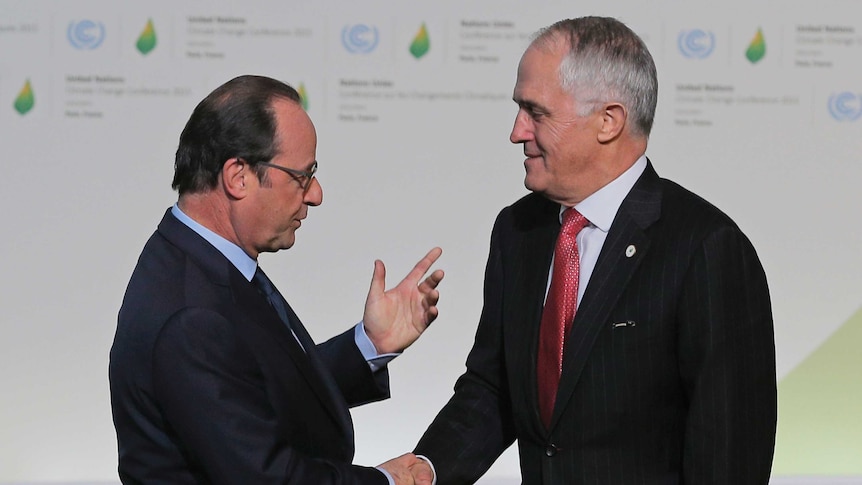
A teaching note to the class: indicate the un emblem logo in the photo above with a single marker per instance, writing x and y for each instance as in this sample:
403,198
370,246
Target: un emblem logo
359,38
85,34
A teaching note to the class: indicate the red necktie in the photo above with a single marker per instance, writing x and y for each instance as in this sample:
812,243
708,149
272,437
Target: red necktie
559,311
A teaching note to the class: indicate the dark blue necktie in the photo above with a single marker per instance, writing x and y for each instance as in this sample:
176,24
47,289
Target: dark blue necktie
276,301
272,296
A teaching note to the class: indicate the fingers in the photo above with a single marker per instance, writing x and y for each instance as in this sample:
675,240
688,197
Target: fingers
431,315
432,281
400,469
430,297
422,473
378,279
424,264
428,289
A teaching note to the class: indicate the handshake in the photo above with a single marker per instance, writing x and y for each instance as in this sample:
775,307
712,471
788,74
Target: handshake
409,469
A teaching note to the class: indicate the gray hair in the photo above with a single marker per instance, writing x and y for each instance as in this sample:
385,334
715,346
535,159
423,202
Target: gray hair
606,62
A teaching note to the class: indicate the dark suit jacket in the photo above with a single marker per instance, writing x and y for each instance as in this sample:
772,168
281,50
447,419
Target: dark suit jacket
209,386
669,369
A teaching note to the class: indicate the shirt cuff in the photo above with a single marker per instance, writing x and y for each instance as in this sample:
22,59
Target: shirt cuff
392,480
433,470
369,352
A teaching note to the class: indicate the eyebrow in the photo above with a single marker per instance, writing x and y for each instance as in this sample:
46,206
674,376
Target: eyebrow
530,105
522,102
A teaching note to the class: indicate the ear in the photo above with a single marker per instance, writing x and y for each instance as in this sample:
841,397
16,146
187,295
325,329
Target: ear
614,117
236,176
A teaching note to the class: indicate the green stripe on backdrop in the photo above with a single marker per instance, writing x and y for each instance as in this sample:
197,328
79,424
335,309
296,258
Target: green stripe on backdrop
820,409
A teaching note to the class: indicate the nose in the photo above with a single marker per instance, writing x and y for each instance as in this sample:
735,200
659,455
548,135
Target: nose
314,194
523,129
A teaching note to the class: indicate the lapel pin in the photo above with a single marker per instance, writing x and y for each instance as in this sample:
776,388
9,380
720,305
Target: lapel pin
627,323
630,251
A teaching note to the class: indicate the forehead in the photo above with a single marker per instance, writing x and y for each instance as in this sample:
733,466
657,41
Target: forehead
539,70
295,133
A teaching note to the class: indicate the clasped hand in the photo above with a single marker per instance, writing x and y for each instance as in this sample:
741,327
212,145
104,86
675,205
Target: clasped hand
408,469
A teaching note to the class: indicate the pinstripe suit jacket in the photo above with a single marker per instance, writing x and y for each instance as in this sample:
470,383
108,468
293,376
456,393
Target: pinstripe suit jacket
669,369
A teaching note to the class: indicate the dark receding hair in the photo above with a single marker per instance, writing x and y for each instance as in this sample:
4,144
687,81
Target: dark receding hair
606,62
235,120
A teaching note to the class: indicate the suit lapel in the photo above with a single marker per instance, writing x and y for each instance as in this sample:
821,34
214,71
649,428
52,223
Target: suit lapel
256,311
614,268
528,282
326,387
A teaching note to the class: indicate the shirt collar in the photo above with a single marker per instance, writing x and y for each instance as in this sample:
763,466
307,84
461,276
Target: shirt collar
601,207
242,261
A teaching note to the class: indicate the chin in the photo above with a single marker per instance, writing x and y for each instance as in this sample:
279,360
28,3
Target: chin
284,242
532,185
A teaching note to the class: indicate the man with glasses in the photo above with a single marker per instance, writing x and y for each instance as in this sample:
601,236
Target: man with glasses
213,377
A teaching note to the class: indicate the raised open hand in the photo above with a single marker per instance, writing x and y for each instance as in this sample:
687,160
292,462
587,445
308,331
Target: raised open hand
394,319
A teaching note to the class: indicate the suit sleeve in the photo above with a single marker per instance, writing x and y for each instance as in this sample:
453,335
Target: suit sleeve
476,425
351,371
727,363
212,395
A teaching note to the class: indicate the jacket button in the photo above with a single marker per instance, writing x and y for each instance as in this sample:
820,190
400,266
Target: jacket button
551,450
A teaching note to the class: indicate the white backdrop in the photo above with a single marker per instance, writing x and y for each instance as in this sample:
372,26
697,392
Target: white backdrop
414,153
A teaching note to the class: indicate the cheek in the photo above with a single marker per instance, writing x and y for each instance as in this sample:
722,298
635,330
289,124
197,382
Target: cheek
552,137
291,206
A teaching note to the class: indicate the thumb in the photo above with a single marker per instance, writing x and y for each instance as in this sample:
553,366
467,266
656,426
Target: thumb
378,280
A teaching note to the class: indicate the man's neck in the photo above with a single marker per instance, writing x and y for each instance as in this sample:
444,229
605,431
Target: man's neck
208,211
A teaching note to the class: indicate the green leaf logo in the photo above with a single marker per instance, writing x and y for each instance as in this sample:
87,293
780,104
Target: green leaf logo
25,100
757,49
303,96
421,43
147,40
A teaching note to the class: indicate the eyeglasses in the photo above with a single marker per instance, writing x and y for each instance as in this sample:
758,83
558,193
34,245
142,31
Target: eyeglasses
308,175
